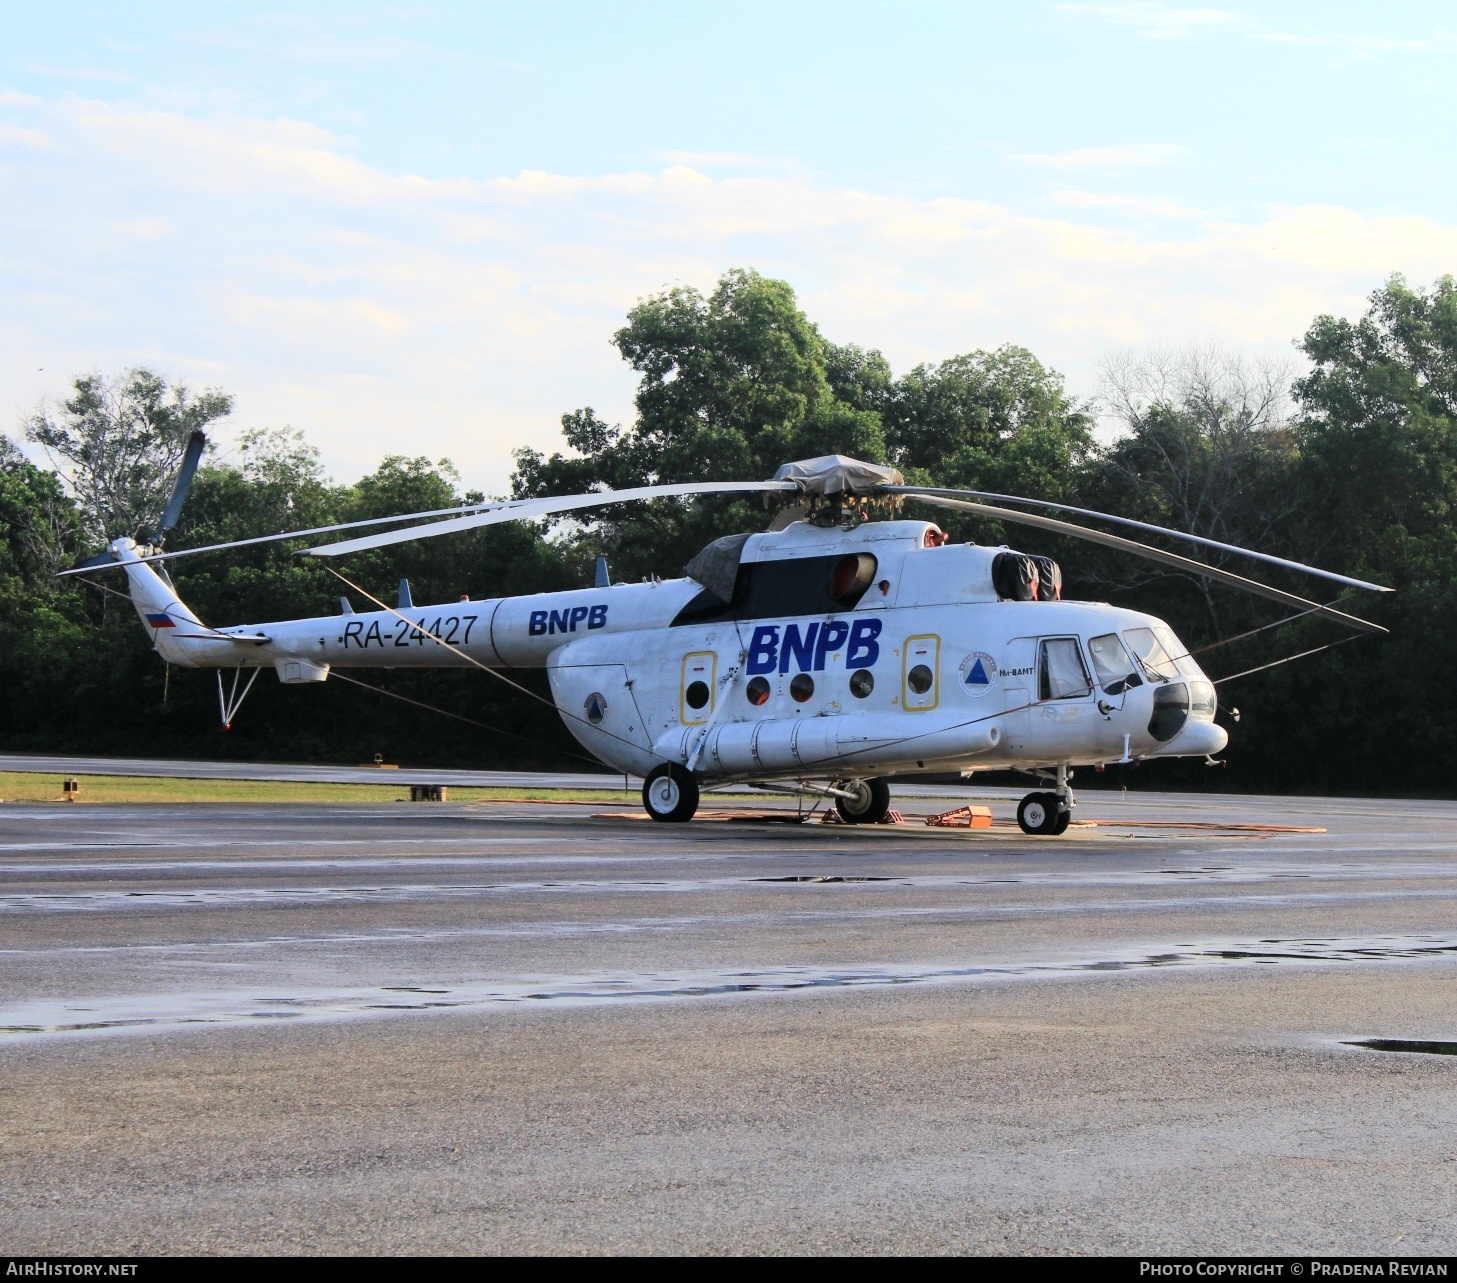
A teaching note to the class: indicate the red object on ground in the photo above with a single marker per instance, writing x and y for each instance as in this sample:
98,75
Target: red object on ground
832,816
964,817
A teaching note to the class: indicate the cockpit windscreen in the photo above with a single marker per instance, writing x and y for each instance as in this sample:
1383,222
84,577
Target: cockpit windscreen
1155,661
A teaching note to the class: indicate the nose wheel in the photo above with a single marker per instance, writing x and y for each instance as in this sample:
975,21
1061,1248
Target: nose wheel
1037,814
670,794
1047,814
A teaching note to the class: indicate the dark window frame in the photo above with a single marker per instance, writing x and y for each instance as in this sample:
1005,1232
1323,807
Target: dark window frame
786,588
1075,645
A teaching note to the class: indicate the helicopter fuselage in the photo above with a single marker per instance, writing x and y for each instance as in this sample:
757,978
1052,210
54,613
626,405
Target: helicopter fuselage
836,652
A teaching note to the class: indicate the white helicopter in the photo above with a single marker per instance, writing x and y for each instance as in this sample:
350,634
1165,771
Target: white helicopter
822,656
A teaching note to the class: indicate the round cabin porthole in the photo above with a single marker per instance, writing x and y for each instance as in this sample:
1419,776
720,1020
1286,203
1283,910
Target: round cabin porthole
757,691
696,695
802,687
920,679
862,682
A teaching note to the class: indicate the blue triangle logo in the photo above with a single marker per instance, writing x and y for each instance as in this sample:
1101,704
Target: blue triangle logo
977,676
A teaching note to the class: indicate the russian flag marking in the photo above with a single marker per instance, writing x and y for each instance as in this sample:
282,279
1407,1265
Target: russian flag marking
161,621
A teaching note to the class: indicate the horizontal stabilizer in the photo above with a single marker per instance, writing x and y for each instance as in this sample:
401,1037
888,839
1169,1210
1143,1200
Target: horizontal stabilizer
250,639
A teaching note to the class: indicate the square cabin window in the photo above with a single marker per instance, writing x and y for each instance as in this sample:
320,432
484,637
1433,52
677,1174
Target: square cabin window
1063,674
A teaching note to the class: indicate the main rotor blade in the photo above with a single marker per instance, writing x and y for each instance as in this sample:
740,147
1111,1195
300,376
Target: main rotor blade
103,561
195,446
485,514
1185,564
527,509
1141,525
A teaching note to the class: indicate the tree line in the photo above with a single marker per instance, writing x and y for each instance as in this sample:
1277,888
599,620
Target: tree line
1352,465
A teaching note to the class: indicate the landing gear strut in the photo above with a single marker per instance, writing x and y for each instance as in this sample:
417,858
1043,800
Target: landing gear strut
670,794
1048,814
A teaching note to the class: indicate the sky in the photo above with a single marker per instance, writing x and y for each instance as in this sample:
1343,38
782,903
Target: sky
413,229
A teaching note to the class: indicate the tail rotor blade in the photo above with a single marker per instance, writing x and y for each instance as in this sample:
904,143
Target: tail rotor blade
94,562
195,446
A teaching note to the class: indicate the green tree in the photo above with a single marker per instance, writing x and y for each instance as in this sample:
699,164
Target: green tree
1379,435
988,421
117,441
1206,447
38,521
1378,459
275,484
67,654
732,385
999,421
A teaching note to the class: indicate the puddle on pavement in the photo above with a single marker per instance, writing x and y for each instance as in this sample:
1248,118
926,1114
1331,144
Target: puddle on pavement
1425,1046
161,1012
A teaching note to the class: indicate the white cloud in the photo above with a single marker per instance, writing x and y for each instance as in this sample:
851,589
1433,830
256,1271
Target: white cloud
728,160
1134,204
145,228
384,312
1168,22
1120,156
19,136
82,73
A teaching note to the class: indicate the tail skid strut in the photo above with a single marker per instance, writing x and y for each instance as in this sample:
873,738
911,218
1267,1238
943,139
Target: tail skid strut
229,705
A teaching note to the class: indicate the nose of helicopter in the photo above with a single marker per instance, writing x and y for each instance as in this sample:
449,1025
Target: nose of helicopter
1197,739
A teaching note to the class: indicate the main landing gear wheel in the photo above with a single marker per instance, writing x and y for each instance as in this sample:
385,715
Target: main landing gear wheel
670,794
1038,815
869,805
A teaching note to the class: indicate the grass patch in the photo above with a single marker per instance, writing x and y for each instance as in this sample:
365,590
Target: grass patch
24,786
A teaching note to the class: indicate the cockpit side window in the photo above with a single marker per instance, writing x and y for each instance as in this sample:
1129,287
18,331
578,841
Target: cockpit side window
1111,662
1152,657
1063,674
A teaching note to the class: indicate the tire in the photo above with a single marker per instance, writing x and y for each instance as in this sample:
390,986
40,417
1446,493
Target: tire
670,794
1037,814
1064,818
871,803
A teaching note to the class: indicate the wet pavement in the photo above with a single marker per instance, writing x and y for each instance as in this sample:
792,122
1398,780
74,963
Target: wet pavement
1188,1025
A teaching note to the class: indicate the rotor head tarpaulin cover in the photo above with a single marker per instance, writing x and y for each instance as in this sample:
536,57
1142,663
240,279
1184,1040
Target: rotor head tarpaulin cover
833,476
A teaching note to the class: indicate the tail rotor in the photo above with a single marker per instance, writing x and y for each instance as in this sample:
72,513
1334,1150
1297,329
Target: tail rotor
196,444
191,457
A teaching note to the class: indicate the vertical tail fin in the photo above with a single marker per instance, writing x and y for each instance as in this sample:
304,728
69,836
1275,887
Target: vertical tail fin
161,610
